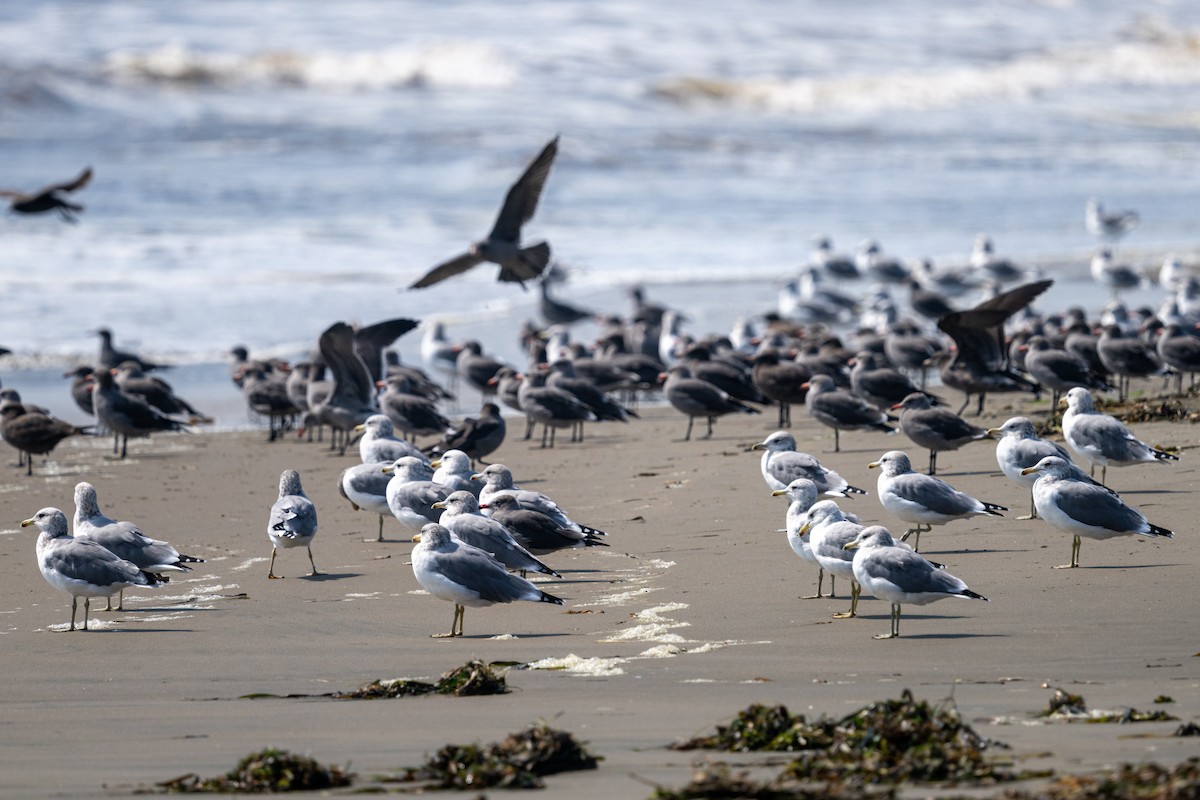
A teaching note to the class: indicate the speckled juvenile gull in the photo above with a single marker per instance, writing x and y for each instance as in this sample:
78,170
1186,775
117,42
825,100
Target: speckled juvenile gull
1098,438
293,520
79,567
781,464
466,576
1084,509
828,533
365,486
124,539
462,517
923,500
899,575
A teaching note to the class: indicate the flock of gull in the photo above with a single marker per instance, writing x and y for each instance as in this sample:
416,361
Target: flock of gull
860,362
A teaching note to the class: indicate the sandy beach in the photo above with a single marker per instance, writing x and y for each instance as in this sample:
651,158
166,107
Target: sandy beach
690,615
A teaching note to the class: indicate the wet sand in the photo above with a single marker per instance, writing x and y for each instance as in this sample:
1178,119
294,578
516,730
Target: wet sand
691,614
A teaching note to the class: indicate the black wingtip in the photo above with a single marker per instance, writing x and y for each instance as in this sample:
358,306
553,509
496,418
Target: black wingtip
974,595
1163,532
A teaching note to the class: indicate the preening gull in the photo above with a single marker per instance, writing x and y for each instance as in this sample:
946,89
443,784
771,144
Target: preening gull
1084,509
293,520
923,500
1098,438
79,567
781,464
466,576
899,575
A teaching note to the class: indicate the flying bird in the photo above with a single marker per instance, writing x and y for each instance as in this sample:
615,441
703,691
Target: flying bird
50,198
503,245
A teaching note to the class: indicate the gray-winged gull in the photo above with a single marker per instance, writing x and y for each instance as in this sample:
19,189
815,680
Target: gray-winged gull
466,576
411,493
537,533
1084,509
1019,447
1098,438
498,479
923,500
79,567
842,410
781,464
828,533
900,576
461,515
124,539
936,429
365,486
802,494
293,520
379,443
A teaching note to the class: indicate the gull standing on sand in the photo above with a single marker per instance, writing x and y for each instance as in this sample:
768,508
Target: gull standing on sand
1059,370
79,567
498,479
127,415
802,495
842,410
461,515
1100,439
379,443
503,245
32,432
937,429
293,520
1020,447
124,539
899,575
365,486
1109,225
699,398
781,464
535,531
923,500
828,533
466,576
412,494
1084,509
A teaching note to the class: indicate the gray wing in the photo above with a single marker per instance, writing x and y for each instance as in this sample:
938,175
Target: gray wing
447,269
295,516
909,571
937,496
1096,506
129,543
90,562
1030,451
522,199
480,572
420,497
837,537
788,466
1109,435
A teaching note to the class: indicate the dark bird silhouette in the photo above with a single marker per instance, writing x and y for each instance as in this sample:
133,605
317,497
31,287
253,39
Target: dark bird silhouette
50,198
371,341
32,432
475,436
127,415
979,363
503,245
111,358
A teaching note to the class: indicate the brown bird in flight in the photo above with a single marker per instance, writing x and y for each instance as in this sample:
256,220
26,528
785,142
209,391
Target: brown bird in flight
50,198
503,245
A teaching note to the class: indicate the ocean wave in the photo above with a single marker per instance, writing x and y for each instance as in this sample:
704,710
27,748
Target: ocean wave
1148,56
446,65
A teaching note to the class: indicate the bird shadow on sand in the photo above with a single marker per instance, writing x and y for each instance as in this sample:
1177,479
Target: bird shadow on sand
324,576
482,637
1122,566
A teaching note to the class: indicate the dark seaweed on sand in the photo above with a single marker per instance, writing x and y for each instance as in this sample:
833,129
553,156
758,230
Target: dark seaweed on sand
716,781
518,762
1068,705
1129,782
472,679
264,772
887,741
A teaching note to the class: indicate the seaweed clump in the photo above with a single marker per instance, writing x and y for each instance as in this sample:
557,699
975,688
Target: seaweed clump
1071,706
264,772
471,679
716,781
520,761
884,742
1129,782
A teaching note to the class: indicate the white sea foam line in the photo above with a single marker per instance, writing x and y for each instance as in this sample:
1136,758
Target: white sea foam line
247,564
655,632
577,665
620,598
362,595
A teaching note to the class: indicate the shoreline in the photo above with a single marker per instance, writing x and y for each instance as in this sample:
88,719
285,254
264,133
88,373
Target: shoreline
697,591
